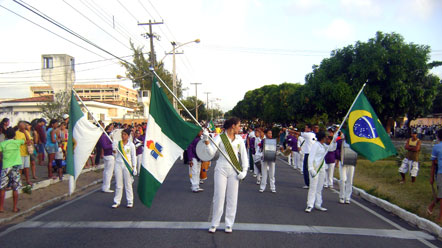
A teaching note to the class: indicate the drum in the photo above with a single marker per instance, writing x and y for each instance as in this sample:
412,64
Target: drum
269,150
201,152
348,156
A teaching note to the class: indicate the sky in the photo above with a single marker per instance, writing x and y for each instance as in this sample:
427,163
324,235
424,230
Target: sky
245,44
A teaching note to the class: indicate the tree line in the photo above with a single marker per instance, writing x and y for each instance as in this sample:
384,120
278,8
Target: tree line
398,77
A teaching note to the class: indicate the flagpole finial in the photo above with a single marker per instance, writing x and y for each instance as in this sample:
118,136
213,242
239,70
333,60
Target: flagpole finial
151,68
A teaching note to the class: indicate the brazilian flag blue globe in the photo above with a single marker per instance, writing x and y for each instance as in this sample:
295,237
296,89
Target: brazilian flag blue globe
365,132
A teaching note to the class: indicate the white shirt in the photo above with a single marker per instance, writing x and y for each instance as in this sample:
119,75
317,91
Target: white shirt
130,150
258,153
300,140
238,148
317,155
310,138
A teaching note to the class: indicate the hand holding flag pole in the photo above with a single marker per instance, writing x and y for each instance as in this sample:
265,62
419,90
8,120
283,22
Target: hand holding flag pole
342,123
195,120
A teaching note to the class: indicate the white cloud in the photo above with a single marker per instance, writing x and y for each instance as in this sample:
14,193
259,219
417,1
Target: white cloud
362,8
338,30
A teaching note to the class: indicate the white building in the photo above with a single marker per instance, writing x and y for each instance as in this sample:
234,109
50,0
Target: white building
58,71
28,109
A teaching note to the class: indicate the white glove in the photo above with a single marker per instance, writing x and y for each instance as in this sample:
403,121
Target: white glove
135,171
242,175
205,136
312,172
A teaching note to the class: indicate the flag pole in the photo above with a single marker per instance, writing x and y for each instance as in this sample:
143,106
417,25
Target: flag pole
342,123
195,120
104,131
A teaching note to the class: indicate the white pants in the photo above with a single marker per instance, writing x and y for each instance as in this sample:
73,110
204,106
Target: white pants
271,175
314,197
122,175
296,160
301,161
194,174
139,161
409,165
329,174
346,173
226,185
290,159
108,171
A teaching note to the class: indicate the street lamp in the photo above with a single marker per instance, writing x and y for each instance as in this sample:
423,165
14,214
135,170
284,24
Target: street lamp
175,46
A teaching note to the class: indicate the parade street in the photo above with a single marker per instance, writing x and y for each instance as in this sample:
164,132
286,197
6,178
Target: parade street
179,218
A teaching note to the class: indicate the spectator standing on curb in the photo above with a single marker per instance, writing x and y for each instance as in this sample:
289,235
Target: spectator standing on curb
436,176
23,134
411,160
51,144
10,174
40,128
33,155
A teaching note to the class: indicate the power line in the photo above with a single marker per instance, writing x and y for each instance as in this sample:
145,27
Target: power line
113,37
49,19
51,31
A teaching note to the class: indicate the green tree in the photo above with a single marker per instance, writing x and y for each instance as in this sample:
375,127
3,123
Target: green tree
58,107
189,103
141,76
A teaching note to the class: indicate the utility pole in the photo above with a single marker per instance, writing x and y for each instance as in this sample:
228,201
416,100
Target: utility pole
151,35
207,101
174,52
196,99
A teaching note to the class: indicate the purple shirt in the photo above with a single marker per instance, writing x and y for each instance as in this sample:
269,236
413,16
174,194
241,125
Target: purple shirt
252,145
338,149
292,142
105,143
191,150
139,144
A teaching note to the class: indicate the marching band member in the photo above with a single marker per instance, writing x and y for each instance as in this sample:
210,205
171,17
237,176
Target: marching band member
226,178
108,158
194,165
330,161
124,169
301,142
139,145
267,168
309,140
315,159
257,157
292,143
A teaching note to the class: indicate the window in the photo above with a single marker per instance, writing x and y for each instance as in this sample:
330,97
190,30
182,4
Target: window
73,64
48,63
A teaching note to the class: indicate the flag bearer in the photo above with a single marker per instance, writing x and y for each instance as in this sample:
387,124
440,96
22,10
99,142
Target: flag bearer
315,159
194,165
226,178
125,169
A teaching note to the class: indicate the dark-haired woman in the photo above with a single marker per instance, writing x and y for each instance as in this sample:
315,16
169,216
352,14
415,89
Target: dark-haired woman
315,159
51,144
226,179
123,176
4,124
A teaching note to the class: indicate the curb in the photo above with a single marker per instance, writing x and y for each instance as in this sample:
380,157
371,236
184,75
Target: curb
48,182
48,202
409,217
414,219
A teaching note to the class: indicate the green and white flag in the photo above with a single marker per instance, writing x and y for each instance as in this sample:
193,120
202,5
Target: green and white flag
83,136
212,126
167,136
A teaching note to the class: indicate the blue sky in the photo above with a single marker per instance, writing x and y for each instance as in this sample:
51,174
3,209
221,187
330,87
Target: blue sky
245,44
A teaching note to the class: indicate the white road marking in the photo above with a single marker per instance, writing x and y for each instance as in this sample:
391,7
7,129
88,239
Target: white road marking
381,233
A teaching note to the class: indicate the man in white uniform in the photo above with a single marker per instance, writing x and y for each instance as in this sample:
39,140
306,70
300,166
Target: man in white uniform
315,159
309,140
271,168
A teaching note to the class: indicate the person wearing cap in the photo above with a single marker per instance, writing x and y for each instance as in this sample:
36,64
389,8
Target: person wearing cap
410,162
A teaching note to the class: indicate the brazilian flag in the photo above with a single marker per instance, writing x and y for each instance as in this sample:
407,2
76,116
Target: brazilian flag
365,133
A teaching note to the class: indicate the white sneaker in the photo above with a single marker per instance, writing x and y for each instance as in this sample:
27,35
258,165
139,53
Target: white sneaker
321,208
228,229
107,191
341,200
305,187
325,186
347,201
261,190
254,175
115,205
201,182
198,190
258,182
308,209
212,229
273,190
130,205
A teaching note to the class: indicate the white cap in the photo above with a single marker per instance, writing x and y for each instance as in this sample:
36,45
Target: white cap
65,116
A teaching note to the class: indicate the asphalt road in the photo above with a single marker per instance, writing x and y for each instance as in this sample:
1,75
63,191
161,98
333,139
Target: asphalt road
179,218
